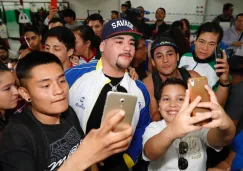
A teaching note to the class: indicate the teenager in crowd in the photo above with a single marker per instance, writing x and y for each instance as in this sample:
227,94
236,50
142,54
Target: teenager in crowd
33,39
95,21
203,60
8,96
48,136
69,16
56,22
60,41
176,143
86,44
186,30
165,57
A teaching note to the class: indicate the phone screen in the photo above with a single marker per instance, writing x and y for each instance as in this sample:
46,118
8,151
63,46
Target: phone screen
218,53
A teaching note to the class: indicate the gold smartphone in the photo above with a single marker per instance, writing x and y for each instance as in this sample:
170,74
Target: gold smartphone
196,87
120,101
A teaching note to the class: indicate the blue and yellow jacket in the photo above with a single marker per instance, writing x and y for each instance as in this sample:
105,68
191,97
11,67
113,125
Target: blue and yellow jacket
86,82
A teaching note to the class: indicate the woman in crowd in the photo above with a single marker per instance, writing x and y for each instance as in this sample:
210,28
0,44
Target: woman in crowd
86,44
186,30
8,96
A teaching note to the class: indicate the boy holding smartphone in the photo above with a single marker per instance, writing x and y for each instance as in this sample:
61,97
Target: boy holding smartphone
48,136
176,143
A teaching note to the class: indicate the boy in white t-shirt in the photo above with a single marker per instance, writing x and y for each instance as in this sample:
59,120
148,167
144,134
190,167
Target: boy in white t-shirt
175,143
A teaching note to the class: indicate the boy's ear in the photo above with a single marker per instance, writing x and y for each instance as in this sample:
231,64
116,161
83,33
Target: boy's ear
178,57
70,52
24,94
152,61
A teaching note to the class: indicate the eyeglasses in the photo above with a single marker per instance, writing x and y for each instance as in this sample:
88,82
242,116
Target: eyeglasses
182,162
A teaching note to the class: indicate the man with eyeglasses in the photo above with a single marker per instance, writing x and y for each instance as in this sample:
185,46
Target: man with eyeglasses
203,61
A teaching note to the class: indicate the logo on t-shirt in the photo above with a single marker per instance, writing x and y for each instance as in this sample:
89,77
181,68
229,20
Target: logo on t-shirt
63,148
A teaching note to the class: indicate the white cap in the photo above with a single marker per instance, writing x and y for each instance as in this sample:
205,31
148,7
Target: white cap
1,20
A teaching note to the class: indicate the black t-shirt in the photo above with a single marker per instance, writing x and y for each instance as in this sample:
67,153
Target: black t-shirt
63,140
17,147
115,162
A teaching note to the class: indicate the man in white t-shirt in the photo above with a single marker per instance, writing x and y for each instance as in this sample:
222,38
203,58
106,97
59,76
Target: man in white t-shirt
176,143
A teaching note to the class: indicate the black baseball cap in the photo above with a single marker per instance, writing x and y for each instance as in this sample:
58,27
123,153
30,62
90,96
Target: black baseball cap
163,41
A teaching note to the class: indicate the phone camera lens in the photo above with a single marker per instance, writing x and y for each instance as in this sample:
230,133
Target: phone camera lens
122,101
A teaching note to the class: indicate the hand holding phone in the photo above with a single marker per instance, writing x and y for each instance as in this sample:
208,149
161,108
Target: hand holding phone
196,87
120,101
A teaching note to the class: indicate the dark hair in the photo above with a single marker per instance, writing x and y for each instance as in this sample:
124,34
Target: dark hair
239,15
137,42
115,12
227,6
31,28
3,67
129,4
63,34
32,60
187,33
160,8
211,27
177,24
12,60
94,17
4,48
172,81
56,20
69,13
124,5
87,33
23,46
140,7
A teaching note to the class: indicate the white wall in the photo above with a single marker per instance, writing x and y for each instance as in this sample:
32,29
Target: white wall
215,7
178,9
106,6
175,9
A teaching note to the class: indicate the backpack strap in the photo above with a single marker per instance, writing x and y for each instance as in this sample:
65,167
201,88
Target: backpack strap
157,81
184,74
39,140
241,35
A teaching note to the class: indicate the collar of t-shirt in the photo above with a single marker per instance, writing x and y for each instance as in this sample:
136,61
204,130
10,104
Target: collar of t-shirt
89,59
207,60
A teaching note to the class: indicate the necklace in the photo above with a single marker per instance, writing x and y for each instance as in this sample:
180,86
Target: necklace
114,88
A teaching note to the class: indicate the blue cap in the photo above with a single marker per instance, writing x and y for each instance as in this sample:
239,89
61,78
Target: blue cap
119,26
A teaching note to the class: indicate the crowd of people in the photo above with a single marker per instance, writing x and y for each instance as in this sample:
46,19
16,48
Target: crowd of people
52,97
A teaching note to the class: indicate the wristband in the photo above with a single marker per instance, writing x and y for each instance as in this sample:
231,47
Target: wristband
225,85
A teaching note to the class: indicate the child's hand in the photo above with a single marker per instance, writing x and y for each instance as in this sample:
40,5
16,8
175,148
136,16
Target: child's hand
133,73
218,115
183,123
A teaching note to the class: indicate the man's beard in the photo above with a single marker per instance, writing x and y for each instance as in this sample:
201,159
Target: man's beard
121,66
3,57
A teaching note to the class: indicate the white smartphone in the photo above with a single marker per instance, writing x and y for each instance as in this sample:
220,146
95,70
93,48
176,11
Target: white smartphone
120,101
